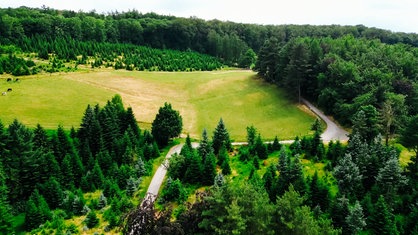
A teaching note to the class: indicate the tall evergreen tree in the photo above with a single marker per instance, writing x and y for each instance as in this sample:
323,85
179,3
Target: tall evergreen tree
220,137
209,169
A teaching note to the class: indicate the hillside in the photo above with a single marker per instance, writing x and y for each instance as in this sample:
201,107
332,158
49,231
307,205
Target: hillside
202,98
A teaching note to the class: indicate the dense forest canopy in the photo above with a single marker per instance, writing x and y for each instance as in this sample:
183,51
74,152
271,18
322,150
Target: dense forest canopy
226,40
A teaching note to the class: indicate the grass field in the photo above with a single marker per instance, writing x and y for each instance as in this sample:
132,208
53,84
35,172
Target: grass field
202,98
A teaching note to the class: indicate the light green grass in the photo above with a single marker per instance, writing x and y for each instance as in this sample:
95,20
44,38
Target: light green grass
202,98
48,100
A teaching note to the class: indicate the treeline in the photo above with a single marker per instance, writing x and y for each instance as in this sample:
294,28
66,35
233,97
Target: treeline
226,40
361,190
44,174
345,74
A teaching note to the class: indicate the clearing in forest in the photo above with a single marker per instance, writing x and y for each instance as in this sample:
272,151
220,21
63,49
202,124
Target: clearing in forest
202,98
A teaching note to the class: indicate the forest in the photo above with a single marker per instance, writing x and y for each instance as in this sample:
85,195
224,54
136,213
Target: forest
366,78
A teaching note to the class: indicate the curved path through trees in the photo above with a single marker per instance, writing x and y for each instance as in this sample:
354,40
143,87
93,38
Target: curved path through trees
332,132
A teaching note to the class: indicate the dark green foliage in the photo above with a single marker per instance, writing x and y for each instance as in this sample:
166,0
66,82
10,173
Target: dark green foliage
382,220
205,148
6,226
91,220
174,191
226,168
193,173
220,137
37,211
409,135
53,193
166,125
209,169
260,148
318,193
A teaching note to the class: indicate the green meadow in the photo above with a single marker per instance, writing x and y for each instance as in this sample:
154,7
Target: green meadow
202,98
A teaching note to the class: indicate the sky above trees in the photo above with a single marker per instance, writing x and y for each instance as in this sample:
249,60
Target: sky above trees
398,16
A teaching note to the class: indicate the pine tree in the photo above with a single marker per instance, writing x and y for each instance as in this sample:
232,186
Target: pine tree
222,155
54,195
355,219
260,148
102,201
67,173
92,220
205,147
40,138
194,169
348,176
220,137
226,168
381,221
209,169
131,186
6,222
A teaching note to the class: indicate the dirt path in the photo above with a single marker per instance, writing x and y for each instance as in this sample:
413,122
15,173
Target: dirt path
333,131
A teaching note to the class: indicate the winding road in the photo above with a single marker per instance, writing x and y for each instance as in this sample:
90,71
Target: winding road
333,132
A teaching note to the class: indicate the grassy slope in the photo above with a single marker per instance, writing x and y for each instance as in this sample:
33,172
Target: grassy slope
48,100
201,97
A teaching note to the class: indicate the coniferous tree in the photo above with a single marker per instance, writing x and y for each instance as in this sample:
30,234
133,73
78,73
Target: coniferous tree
40,138
53,193
226,168
6,223
205,147
260,148
91,220
67,173
355,219
209,169
194,169
220,137
381,221
348,176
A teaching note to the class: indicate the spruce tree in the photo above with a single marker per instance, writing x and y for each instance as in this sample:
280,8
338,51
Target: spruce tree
209,169
220,137
205,147
91,220
381,221
194,170
355,219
